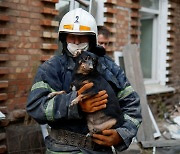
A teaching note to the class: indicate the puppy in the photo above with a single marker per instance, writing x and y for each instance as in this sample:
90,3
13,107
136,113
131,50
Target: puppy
86,71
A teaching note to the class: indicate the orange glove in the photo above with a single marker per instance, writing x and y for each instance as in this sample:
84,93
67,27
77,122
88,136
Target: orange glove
108,138
84,88
94,103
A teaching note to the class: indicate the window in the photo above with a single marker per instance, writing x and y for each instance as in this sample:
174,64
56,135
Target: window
118,58
151,4
149,38
153,46
66,5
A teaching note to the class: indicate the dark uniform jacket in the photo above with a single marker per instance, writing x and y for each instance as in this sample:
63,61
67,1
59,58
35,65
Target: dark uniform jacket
56,75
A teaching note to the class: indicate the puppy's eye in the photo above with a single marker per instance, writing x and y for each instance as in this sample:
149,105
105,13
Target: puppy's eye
87,57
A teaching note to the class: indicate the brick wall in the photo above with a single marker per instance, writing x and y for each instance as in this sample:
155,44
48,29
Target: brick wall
122,19
127,26
27,38
174,17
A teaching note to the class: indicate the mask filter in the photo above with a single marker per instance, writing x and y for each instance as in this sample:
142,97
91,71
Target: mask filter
76,49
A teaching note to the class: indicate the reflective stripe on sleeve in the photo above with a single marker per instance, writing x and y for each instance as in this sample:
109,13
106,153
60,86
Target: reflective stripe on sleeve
135,121
41,84
52,152
49,110
122,94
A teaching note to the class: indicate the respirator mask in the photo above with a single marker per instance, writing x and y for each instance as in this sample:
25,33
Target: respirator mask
76,49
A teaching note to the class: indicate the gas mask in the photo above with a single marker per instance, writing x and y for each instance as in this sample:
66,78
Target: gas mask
76,49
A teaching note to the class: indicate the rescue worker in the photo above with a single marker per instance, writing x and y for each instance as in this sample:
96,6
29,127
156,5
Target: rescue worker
78,33
103,36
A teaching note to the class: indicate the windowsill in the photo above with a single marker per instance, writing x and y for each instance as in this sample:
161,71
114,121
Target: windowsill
157,89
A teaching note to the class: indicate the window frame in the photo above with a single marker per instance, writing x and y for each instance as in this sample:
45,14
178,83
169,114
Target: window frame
159,41
158,83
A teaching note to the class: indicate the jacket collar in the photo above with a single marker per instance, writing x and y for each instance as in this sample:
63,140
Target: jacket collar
70,63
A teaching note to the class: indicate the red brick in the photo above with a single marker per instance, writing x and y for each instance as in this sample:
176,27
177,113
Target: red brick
49,46
4,57
36,45
35,27
32,52
24,14
23,7
50,35
35,15
3,96
23,20
34,39
135,23
14,13
47,22
4,44
20,100
135,14
110,20
23,1
15,1
45,57
22,75
24,88
4,31
3,84
4,70
4,18
12,76
35,34
111,10
11,87
46,10
22,57
35,3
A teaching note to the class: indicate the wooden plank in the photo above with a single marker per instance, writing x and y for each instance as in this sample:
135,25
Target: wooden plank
134,75
160,143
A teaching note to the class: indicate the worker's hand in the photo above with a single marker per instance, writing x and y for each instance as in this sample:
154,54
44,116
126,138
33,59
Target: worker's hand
84,88
94,103
107,138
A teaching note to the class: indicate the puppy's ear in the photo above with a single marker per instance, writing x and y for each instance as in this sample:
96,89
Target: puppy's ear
98,50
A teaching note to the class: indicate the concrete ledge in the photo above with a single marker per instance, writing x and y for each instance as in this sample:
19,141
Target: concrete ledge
157,89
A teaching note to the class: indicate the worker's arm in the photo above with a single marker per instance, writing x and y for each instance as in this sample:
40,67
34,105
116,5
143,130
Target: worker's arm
129,102
50,78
